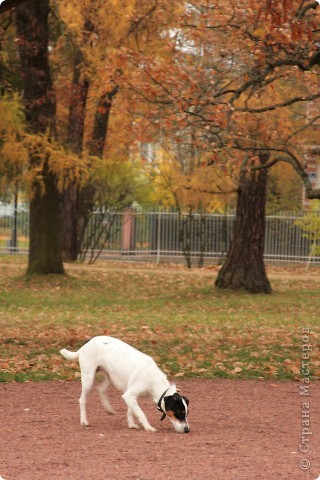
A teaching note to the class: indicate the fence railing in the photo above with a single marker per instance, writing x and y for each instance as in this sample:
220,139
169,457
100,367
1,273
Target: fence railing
167,236
14,230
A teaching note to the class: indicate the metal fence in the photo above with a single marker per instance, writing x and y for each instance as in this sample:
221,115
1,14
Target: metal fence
167,236
14,229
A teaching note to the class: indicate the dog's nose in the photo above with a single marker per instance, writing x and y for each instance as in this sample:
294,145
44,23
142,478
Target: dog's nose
186,429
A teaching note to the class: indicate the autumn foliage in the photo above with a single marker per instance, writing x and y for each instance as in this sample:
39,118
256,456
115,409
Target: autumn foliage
213,81
212,86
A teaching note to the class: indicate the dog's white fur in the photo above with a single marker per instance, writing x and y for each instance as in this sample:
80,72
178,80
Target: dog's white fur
129,370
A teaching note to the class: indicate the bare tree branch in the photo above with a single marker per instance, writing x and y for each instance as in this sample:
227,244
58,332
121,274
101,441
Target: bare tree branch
9,4
303,9
278,105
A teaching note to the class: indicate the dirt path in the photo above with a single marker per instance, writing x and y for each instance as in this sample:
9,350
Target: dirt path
248,430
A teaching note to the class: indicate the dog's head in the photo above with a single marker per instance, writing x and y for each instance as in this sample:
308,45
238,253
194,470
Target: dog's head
176,408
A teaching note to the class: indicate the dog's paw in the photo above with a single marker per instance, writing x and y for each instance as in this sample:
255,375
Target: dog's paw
150,429
133,425
85,423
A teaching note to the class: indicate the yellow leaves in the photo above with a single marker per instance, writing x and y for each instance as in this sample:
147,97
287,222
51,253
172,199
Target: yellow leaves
310,225
71,15
12,116
191,183
45,152
23,156
284,187
14,155
67,166
99,27
260,31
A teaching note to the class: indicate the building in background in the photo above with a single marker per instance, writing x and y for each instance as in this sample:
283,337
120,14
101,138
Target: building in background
312,151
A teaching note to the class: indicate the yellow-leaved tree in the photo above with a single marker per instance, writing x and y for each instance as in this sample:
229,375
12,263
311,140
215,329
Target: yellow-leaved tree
98,49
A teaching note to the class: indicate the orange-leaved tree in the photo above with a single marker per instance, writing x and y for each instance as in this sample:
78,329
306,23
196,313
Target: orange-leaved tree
240,75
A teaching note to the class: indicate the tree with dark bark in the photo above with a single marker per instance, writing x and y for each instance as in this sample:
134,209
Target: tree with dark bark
244,265
262,84
75,140
86,197
7,5
103,40
78,201
199,82
40,109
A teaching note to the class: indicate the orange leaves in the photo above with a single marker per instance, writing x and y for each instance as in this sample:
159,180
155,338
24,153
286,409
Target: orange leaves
297,30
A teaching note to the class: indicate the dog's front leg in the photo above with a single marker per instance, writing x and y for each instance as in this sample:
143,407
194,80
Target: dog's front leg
131,422
133,408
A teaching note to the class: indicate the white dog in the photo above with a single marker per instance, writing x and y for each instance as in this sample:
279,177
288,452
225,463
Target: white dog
134,374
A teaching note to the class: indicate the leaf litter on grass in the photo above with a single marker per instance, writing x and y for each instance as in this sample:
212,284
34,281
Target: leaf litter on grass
187,326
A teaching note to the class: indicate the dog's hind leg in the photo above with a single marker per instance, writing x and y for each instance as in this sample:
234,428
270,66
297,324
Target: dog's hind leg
87,379
102,390
130,398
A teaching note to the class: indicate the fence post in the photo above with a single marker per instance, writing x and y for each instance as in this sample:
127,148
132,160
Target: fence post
14,231
159,238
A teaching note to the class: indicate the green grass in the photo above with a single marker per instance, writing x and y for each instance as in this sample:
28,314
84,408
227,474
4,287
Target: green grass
177,316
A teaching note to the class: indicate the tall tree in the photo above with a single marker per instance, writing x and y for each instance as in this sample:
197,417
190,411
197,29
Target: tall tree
103,39
271,58
261,85
40,108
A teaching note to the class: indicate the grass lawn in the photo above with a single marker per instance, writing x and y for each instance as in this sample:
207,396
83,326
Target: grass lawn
189,327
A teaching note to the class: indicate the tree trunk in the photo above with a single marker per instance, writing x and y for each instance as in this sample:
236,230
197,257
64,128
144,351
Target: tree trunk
244,266
45,239
70,201
40,107
96,147
69,213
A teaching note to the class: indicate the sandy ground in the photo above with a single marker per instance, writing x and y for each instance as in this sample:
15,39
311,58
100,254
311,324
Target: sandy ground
239,430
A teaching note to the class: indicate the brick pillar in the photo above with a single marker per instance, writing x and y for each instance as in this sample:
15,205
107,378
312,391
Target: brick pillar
127,237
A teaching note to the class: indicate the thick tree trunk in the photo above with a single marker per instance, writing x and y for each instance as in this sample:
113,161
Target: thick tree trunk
40,107
45,239
244,266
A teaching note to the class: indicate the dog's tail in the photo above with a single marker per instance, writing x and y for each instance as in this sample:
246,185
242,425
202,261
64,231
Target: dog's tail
69,355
